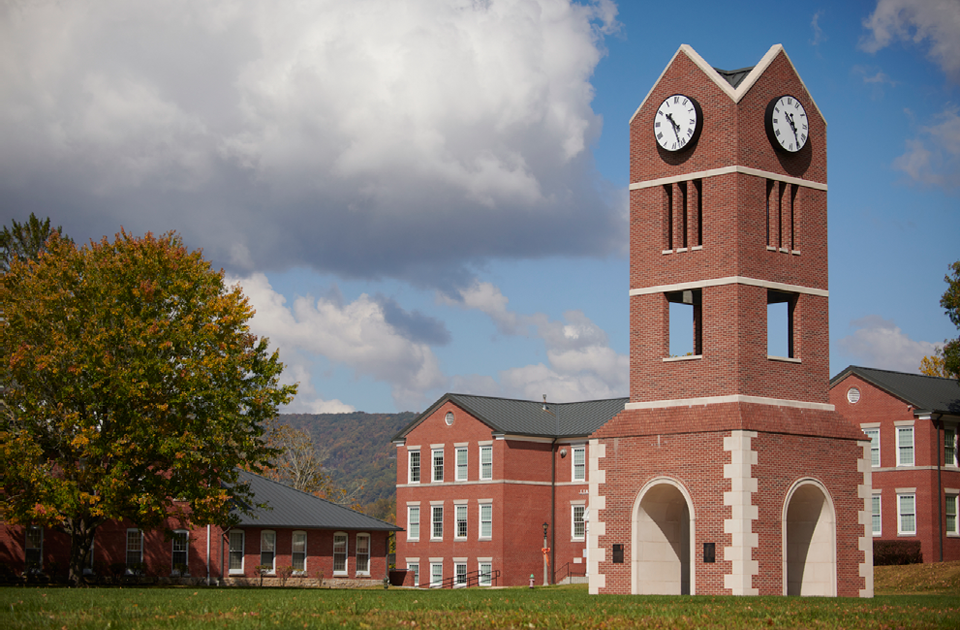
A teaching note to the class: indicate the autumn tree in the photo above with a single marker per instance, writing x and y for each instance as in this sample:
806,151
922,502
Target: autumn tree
932,365
26,240
131,379
945,361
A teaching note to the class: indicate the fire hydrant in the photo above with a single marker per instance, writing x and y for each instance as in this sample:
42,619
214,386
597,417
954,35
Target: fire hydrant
531,580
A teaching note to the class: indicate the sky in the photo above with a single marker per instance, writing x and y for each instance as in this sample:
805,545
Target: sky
430,196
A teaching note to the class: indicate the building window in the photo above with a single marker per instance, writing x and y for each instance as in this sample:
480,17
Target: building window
268,550
415,567
88,567
340,553
462,463
907,513
448,418
486,462
461,529
363,554
33,549
950,447
953,527
413,522
577,528
413,457
181,544
436,522
875,514
460,574
484,577
437,465
579,463
780,324
686,322
486,521
298,552
874,435
134,551
236,552
904,446
436,574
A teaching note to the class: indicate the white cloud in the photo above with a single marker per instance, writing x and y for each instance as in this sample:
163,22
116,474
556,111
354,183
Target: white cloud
934,157
879,343
364,138
818,35
936,22
357,335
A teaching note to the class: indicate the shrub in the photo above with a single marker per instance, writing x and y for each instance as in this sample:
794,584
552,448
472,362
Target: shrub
890,552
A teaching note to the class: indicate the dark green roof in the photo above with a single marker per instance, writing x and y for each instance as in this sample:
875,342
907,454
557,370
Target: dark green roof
295,509
526,417
734,77
926,393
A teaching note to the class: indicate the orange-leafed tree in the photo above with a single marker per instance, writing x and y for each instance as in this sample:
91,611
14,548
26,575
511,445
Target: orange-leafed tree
132,388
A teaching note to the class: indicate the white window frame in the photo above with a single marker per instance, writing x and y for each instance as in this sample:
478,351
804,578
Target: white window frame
341,539
178,536
578,472
459,574
573,523
413,522
486,519
460,522
139,551
876,514
415,567
484,571
486,462
436,522
436,465
902,514
414,472
436,574
232,551
950,435
36,533
363,554
874,434
952,497
302,536
88,567
268,544
903,448
462,461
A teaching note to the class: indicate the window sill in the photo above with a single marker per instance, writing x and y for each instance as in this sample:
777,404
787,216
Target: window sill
691,357
906,534
953,535
770,357
413,539
362,574
485,538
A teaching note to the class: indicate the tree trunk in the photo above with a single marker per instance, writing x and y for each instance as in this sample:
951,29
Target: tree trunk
81,532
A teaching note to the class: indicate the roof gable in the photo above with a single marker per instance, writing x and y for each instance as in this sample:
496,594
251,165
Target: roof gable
925,393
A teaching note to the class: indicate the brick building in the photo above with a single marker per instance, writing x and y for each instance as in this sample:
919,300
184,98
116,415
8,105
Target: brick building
912,421
296,529
477,479
729,471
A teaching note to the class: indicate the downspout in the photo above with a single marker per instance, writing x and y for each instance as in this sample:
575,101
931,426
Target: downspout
208,555
223,534
553,509
938,425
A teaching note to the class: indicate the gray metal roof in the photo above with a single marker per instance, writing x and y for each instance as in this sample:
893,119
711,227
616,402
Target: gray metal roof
926,393
734,77
527,417
295,509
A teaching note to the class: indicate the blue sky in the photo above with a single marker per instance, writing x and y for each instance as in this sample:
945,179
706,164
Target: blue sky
430,196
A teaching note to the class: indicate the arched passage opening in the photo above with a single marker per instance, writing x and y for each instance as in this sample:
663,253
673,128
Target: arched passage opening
810,534
663,533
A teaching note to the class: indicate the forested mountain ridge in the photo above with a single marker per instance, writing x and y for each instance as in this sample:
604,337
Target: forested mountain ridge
357,447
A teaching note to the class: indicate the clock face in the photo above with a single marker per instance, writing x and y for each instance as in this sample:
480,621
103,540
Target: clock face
677,123
786,124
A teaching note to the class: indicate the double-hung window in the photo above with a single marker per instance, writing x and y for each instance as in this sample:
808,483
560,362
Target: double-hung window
874,434
134,550
415,567
33,548
950,447
436,522
579,463
413,522
875,515
577,529
904,446
268,550
180,547
459,574
461,463
413,458
236,552
436,574
483,579
340,553
437,457
461,518
486,521
953,526
907,514
486,462
298,552
363,554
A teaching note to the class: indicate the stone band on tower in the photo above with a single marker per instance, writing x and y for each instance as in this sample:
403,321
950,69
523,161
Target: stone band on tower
729,472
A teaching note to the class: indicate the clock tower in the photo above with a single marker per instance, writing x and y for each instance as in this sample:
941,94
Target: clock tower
729,472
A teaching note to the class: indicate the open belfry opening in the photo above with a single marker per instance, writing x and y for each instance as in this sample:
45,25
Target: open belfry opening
729,472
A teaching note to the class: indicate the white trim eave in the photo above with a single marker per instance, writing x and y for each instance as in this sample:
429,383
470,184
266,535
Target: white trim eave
718,282
733,398
726,170
745,85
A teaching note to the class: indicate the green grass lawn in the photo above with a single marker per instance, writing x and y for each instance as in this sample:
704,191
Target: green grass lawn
551,607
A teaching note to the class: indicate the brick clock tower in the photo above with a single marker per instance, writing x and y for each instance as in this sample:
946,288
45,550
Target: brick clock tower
729,472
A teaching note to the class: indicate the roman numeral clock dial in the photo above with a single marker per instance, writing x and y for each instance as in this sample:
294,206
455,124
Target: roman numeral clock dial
677,123
786,124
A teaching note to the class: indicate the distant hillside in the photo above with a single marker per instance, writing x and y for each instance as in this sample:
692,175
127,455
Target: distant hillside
359,445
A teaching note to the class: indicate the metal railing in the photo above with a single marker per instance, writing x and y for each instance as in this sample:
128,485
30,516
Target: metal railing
470,579
570,569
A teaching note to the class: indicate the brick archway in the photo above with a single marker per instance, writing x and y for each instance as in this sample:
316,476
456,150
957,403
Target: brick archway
663,540
809,541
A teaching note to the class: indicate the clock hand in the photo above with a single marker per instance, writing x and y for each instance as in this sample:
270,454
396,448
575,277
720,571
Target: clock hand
793,127
676,127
